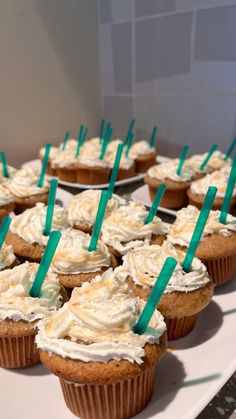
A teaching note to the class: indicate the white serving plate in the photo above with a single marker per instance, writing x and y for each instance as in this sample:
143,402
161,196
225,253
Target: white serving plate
63,197
187,377
36,164
142,195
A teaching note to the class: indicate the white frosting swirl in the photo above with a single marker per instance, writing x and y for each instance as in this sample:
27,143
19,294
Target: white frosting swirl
25,183
15,301
101,314
6,196
11,170
54,151
64,158
218,178
144,265
181,230
125,162
125,228
71,144
82,209
112,146
30,224
72,255
168,170
7,257
216,162
140,148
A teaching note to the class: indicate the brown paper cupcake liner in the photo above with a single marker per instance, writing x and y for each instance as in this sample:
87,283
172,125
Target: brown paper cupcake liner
221,270
178,328
18,352
175,198
119,400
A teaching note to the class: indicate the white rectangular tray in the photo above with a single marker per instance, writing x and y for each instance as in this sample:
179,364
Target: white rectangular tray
142,195
186,380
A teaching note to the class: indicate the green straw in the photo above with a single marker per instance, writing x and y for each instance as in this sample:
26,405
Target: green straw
67,136
115,169
85,133
4,229
44,165
4,165
228,194
128,144
130,129
50,207
156,202
102,126
182,160
200,225
107,138
45,263
155,296
207,158
98,222
79,140
153,137
230,150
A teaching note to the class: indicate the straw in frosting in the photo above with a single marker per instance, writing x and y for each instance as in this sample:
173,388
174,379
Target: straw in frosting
102,126
79,140
153,137
231,149
207,158
228,194
4,229
44,165
67,136
182,160
156,202
4,165
130,129
50,207
115,169
129,143
107,137
99,219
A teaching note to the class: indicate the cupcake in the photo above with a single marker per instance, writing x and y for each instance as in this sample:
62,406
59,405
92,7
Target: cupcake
126,166
6,202
125,229
216,162
217,248
7,257
24,187
218,178
54,151
143,155
83,208
64,165
176,186
105,369
20,313
92,170
26,231
186,293
74,264
11,170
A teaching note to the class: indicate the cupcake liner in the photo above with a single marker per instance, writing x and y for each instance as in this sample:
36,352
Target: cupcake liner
221,270
178,328
18,352
119,400
173,198
66,174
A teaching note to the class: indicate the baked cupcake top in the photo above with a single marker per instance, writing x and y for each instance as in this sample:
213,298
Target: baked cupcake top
25,183
125,162
82,209
168,170
181,230
15,301
125,228
144,265
29,225
96,324
72,255
140,148
7,257
6,196
218,178
216,162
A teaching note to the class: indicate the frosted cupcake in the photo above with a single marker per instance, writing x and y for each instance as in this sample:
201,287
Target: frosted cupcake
11,170
26,231
64,165
217,248
7,204
176,185
218,178
143,155
83,208
125,229
54,151
20,313
126,166
215,162
92,170
74,264
7,257
186,293
24,187
105,369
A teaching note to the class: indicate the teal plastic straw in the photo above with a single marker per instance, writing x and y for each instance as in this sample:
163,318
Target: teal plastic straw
101,133
153,137
182,159
45,264
99,219
155,296
200,225
44,165
67,136
4,165
115,169
130,129
79,140
50,207
231,149
156,202
207,158
85,134
106,140
128,144
228,194
4,229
